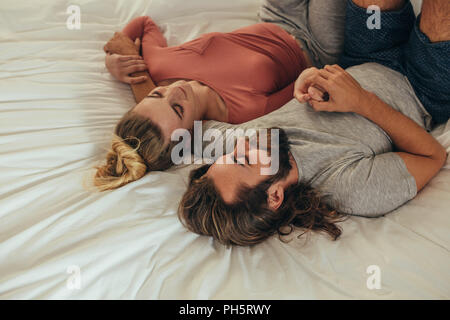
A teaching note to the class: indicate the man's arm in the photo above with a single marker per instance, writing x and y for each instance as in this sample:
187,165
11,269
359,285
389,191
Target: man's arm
422,154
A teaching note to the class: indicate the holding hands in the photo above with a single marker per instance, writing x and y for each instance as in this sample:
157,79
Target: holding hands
123,60
330,89
121,66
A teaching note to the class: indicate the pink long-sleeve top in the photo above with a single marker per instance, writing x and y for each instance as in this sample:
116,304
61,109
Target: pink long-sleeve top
253,69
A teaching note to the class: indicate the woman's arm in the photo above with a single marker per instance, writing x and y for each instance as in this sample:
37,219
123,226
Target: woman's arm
125,64
422,154
124,51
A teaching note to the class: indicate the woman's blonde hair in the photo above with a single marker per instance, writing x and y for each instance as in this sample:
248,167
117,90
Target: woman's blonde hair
137,147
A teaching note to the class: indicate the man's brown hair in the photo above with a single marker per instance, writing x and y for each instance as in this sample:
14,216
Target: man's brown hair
248,220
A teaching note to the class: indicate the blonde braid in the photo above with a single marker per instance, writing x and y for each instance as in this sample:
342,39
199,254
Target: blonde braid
123,165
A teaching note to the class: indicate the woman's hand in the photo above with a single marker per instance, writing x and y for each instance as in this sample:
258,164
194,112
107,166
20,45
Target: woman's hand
305,90
121,66
344,92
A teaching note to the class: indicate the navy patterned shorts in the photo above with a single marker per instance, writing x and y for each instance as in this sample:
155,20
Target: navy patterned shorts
400,45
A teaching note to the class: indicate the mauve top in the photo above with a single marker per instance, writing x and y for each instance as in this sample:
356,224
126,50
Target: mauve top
253,69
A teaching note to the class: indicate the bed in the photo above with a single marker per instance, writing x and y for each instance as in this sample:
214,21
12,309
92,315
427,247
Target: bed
58,107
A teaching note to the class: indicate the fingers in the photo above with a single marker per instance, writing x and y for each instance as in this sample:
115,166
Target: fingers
337,67
135,80
330,69
315,93
319,79
131,57
302,97
316,78
135,68
132,62
309,87
315,84
321,105
333,68
326,74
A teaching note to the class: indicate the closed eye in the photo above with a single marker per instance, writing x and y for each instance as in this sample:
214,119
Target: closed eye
155,94
243,161
178,109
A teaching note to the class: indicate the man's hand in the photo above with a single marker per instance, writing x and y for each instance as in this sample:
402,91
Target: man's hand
345,93
305,90
121,66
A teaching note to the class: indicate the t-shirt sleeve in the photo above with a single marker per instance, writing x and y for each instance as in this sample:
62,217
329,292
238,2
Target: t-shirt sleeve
373,186
145,29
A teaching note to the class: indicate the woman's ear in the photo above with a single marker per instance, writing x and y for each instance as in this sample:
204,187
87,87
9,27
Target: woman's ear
275,196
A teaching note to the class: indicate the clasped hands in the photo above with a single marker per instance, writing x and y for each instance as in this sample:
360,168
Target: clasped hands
124,62
332,83
121,66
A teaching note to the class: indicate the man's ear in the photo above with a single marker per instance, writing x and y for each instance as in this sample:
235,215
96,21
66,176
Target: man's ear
275,196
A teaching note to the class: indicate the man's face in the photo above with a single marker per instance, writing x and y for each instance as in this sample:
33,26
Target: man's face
235,169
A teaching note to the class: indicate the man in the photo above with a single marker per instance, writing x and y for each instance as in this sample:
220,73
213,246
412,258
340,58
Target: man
363,150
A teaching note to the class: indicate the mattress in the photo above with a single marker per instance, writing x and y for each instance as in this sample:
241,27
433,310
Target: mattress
58,108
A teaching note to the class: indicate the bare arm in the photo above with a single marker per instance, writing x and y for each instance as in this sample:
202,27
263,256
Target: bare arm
435,20
125,64
423,155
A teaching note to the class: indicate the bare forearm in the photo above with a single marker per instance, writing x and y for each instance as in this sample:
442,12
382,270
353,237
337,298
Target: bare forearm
125,64
435,20
406,135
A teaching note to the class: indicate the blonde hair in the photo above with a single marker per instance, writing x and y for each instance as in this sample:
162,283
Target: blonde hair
137,147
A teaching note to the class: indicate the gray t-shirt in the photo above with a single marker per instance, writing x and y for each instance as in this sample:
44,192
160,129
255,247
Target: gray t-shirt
347,157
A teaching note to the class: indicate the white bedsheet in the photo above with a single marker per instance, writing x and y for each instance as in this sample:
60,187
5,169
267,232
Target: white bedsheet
58,107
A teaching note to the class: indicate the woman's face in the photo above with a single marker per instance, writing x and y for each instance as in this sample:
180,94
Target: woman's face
171,107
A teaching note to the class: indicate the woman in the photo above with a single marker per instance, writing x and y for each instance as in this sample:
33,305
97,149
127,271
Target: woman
230,77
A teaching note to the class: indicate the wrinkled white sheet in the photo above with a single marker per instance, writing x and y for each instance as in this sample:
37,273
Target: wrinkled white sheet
58,107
